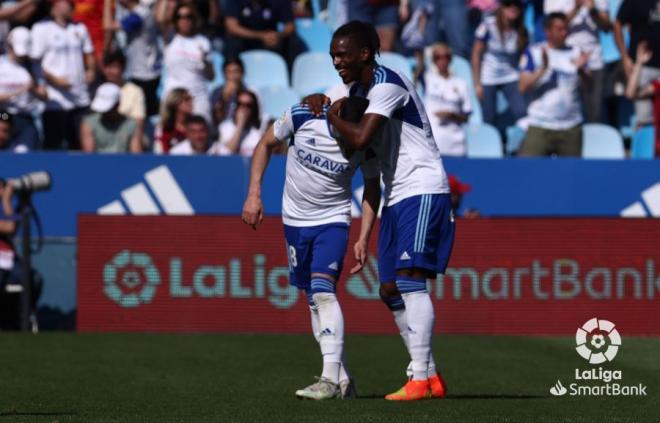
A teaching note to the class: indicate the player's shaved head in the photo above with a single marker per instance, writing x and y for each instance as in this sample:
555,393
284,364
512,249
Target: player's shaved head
362,34
353,109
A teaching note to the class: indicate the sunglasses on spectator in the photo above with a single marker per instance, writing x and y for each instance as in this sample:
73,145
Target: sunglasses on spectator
186,16
245,103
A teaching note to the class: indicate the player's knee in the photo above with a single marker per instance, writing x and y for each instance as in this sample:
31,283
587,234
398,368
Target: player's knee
321,285
324,298
389,294
310,298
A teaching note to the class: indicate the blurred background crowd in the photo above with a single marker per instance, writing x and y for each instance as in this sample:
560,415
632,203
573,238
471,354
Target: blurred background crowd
184,77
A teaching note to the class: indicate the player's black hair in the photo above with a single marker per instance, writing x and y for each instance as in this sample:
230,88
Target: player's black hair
114,56
196,119
353,108
549,18
362,33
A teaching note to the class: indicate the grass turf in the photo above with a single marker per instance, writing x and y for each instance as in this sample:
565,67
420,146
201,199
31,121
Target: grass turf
66,377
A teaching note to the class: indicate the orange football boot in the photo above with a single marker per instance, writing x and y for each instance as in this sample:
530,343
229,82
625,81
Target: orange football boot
412,391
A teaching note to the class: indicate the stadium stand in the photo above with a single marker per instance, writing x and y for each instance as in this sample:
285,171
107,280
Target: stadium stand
643,143
264,68
312,73
275,99
483,142
601,142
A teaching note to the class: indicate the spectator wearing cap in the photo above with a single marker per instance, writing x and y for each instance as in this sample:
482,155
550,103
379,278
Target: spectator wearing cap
187,57
197,140
253,24
63,59
500,40
17,89
447,101
144,58
132,101
8,142
642,19
550,72
106,130
586,18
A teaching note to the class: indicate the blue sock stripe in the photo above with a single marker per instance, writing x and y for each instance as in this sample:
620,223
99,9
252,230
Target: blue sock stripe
411,285
395,303
322,285
310,300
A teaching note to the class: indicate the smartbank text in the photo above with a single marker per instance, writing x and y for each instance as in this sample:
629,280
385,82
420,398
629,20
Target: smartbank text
558,279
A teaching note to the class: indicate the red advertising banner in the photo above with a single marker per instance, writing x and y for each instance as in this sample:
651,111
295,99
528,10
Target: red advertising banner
506,276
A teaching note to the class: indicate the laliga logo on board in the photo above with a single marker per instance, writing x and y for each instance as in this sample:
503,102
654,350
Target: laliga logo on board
597,341
124,274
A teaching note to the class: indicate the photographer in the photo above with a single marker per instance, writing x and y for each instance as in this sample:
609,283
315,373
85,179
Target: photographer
11,269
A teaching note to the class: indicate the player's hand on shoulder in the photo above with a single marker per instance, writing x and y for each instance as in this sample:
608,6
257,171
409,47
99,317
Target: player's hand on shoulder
316,102
253,211
336,106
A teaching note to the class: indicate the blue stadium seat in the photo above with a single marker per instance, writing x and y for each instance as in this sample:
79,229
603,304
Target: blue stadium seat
217,61
515,136
263,68
483,142
643,143
397,62
275,99
313,73
601,142
315,34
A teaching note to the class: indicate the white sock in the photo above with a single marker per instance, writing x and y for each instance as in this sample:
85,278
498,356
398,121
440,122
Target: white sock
420,316
344,374
402,323
331,333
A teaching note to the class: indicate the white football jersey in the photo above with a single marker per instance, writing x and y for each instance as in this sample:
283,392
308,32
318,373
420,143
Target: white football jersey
407,154
317,190
499,65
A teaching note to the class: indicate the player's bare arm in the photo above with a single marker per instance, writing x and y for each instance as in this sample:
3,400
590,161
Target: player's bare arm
358,135
370,205
253,209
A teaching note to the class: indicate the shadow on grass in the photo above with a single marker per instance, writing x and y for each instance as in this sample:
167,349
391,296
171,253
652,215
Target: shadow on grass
473,396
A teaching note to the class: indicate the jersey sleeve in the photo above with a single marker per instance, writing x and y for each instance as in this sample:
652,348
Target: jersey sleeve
481,33
87,46
527,61
385,99
283,127
38,43
370,165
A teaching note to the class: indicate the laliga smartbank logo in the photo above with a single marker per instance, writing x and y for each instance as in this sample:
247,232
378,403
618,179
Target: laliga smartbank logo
598,341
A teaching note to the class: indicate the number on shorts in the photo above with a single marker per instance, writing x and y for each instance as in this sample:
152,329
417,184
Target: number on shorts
293,261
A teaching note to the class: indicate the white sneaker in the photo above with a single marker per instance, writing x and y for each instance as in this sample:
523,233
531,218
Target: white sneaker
321,390
347,388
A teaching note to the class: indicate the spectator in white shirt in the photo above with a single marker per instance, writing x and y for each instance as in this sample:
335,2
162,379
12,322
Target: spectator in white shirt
549,73
63,57
143,54
587,18
241,134
18,94
447,103
187,59
197,140
500,40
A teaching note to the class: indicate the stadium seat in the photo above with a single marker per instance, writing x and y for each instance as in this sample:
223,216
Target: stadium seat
313,73
397,62
315,34
218,77
643,143
601,142
515,136
275,99
264,68
483,142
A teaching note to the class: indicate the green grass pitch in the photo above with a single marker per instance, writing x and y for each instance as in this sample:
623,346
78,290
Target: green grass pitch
67,377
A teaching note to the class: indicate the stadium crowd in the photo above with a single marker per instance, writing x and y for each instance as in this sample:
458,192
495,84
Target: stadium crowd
142,75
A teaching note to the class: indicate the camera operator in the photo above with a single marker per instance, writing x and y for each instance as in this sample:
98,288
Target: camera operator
11,269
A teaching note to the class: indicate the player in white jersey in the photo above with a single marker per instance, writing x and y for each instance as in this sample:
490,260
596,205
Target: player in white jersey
316,210
417,229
